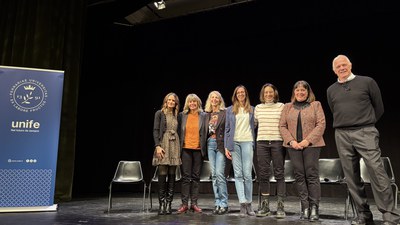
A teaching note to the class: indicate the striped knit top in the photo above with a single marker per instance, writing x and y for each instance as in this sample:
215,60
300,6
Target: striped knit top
267,116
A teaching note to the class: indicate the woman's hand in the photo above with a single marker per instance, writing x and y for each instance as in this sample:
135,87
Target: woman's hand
304,143
296,145
228,154
160,152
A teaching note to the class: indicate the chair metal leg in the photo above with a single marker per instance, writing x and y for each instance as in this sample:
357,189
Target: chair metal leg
396,194
110,198
352,205
150,197
144,196
259,196
346,207
349,203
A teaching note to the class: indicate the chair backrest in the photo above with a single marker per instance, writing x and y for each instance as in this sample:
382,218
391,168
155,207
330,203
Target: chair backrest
128,171
205,175
364,172
231,175
330,170
365,177
388,168
178,174
289,172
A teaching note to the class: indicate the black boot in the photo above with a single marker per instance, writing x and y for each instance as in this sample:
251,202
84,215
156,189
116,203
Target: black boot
305,214
170,193
280,211
168,209
314,216
162,193
264,208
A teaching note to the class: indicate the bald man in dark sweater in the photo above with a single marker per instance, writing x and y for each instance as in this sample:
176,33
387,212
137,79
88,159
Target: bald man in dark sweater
356,104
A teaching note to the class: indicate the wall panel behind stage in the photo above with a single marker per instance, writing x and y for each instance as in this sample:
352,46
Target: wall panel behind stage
218,50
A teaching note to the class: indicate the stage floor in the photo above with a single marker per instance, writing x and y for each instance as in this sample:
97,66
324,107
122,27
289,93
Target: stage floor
127,209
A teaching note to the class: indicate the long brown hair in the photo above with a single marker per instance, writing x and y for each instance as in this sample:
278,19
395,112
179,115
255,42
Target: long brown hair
164,106
236,103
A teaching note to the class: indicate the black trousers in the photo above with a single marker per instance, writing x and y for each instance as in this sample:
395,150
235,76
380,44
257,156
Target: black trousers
192,161
267,152
306,173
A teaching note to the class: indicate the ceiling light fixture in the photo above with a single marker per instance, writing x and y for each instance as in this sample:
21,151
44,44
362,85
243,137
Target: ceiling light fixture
160,4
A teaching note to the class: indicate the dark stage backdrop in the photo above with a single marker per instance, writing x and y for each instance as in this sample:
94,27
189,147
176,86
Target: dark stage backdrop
116,76
48,34
127,71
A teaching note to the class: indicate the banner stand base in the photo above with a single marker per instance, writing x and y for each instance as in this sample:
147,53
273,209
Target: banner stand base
29,209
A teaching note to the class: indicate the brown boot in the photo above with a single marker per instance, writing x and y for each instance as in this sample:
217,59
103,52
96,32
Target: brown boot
183,209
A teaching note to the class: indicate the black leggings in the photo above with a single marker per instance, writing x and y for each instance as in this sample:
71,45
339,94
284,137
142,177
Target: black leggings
166,169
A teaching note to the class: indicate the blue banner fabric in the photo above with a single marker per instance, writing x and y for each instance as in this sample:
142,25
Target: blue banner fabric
30,114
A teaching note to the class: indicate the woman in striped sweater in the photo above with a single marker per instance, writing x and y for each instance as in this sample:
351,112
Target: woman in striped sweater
269,149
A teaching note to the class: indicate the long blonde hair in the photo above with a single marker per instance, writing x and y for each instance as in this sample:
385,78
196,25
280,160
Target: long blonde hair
192,97
208,107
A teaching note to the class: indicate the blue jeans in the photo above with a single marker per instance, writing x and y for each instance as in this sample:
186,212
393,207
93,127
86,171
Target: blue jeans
242,161
217,166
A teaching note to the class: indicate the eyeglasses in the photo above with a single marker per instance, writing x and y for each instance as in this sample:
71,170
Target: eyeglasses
345,86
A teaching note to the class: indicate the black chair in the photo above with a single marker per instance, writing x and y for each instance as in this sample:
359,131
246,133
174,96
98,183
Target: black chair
205,175
127,172
231,176
389,170
154,179
331,173
367,180
289,172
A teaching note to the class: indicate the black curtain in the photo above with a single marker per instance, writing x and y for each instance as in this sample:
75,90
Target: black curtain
48,34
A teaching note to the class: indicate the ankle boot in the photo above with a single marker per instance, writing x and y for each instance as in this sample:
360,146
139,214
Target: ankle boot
249,210
183,209
170,194
168,209
264,208
305,214
162,193
280,212
161,209
243,211
314,216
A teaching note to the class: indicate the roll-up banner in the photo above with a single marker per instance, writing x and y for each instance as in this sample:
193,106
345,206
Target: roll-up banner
30,114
